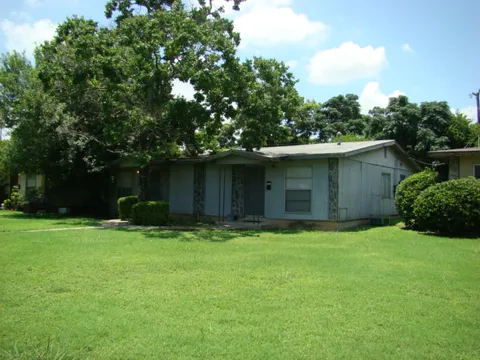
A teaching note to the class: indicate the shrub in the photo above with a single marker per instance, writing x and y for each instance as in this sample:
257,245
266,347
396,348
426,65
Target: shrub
125,205
7,204
408,191
451,208
151,213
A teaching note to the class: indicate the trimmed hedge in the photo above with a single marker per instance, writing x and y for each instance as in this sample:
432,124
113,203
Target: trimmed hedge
408,191
450,208
125,205
151,213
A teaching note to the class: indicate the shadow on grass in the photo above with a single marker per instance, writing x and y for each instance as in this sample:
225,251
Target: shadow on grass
62,219
210,235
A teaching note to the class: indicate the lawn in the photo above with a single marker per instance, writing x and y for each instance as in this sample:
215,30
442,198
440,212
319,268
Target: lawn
15,221
116,294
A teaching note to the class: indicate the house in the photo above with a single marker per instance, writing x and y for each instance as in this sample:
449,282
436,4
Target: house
31,182
328,185
462,163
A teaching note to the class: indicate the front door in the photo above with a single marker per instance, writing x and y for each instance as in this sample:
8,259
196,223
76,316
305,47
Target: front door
254,191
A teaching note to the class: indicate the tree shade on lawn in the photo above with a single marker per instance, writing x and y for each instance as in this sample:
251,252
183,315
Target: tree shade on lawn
109,294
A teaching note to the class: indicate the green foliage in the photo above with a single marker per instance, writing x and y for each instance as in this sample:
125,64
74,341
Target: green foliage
7,204
267,102
125,205
155,213
5,163
408,191
16,200
450,208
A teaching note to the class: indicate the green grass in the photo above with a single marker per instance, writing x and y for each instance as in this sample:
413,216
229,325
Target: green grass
18,221
382,293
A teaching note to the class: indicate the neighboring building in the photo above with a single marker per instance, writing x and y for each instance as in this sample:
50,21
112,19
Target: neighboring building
322,185
462,163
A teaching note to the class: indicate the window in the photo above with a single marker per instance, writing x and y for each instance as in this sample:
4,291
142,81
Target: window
385,152
402,177
386,186
298,189
476,171
124,184
31,182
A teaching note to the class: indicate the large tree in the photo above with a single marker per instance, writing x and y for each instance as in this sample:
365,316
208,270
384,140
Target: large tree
267,104
116,84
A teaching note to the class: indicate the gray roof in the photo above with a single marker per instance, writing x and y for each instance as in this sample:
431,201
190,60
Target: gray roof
324,149
310,151
455,152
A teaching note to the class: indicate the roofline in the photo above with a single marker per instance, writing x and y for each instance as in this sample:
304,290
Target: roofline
453,152
256,155
242,153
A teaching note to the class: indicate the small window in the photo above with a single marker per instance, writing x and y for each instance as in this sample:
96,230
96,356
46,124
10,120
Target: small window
385,152
402,177
298,189
386,186
31,182
124,184
476,171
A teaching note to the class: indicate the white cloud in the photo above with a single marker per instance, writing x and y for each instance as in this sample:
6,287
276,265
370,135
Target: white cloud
273,22
372,96
184,89
292,64
346,63
25,36
470,112
34,3
407,48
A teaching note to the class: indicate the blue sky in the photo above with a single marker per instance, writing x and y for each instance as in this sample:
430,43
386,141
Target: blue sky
426,49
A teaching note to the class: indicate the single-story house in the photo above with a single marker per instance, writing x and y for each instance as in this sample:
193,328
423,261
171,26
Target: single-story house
31,182
327,185
462,163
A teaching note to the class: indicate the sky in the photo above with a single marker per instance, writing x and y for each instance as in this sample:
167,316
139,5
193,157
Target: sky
428,50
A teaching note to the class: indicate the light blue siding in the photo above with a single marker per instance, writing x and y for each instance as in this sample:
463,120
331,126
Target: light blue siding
275,198
181,189
360,184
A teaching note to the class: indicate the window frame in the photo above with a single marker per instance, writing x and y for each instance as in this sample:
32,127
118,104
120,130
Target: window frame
474,166
286,188
383,187
29,188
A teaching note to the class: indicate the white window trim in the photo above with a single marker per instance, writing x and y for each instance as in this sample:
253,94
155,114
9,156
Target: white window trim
285,177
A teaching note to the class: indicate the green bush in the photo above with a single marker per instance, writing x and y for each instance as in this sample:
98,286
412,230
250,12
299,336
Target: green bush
125,205
408,191
7,204
151,213
450,208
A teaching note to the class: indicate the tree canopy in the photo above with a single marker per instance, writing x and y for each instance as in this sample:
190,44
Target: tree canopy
97,94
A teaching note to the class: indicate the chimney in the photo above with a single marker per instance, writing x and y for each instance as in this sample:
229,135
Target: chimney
339,138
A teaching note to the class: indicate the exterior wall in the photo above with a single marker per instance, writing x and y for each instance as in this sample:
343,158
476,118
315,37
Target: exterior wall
181,189
129,176
466,165
236,160
275,198
22,182
360,184
218,191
